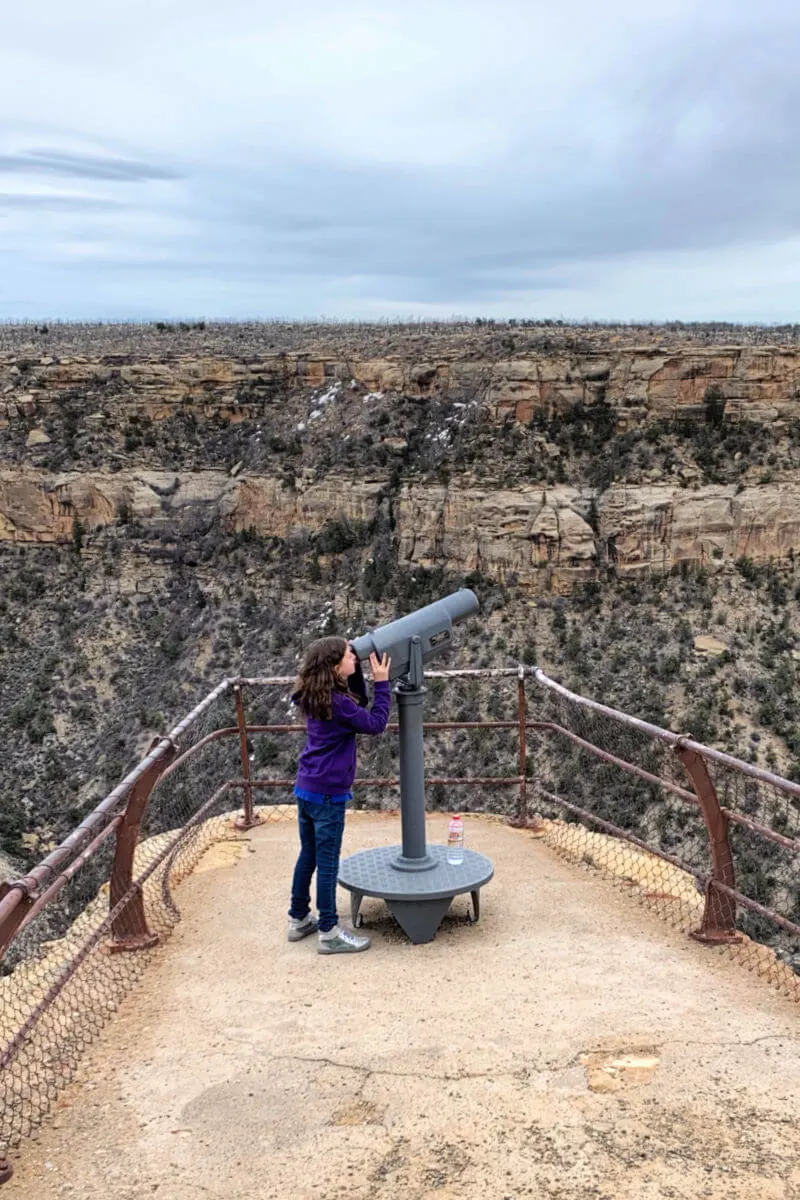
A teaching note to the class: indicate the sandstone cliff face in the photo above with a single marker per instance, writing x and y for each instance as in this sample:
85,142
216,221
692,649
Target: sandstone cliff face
543,537
659,527
36,507
762,384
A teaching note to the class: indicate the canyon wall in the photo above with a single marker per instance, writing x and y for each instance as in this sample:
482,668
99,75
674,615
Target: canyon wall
760,383
543,537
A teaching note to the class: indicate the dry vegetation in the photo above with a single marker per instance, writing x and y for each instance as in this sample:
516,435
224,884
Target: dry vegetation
481,338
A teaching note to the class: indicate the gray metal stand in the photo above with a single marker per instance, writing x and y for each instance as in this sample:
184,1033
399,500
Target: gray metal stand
417,900
414,855
416,880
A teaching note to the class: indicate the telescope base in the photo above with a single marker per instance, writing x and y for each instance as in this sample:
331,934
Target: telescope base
418,900
401,863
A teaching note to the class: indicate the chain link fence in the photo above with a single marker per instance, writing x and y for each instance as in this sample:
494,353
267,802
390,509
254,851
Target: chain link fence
65,971
711,844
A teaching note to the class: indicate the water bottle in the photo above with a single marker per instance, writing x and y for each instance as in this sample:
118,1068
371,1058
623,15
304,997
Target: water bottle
455,841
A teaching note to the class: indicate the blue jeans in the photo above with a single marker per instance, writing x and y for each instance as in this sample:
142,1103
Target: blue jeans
321,829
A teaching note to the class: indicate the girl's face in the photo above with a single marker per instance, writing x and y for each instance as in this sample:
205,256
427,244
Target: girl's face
347,665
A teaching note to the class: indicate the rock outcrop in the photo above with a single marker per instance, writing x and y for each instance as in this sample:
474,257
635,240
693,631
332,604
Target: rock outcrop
36,507
461,512
760,383
563,534
540,536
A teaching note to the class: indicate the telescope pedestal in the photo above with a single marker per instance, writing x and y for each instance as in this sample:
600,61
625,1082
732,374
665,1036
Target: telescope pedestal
418,900
413,854
416,880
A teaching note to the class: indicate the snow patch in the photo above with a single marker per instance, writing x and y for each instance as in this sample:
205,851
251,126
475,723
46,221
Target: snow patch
326,397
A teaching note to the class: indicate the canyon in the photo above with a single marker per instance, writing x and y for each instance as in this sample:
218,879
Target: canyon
178,504
546,535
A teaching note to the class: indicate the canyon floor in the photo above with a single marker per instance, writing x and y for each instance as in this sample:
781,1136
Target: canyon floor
568,1046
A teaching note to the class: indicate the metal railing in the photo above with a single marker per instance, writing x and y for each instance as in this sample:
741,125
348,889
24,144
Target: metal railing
708,841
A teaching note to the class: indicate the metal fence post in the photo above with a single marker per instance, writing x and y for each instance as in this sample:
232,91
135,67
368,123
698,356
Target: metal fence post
15,904
522,818
719,916
522,810
129,929
248,818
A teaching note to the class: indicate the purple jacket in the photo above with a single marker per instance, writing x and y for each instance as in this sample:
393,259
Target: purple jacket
328,761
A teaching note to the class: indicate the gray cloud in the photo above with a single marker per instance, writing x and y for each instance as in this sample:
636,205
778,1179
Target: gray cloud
591,156
708,162
67,204
83,166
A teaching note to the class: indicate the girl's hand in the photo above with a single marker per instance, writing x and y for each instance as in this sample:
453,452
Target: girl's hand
380,667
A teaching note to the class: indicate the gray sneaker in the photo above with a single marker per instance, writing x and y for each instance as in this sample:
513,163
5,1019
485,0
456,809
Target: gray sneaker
300,927
341,941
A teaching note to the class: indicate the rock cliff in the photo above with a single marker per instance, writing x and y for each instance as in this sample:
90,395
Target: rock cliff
460,447
538,536
172,515
640,382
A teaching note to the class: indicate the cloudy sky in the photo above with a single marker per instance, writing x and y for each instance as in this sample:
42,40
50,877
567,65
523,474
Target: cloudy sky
199,158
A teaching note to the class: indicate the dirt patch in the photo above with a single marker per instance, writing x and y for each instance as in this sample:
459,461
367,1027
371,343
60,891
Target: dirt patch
618,1069
222,855
709,646
359,1112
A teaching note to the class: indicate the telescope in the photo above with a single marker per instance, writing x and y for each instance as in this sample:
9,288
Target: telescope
412,640
414,879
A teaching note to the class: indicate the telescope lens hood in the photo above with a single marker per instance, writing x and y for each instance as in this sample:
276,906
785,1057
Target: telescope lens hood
432,625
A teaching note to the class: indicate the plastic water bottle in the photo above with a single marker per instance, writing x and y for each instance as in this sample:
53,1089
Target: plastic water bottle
455,841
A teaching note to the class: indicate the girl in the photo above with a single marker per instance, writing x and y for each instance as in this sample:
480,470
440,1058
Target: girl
331,692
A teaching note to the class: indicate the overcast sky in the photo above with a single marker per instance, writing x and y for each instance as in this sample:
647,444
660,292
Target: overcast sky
243,158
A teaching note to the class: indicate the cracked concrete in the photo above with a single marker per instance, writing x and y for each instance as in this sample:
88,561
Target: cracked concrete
247,1067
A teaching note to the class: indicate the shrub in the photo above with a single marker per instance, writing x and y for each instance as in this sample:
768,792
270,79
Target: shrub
335,537
714,405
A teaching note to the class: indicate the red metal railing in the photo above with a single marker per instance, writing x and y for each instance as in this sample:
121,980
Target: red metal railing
22,899
563,720
18,898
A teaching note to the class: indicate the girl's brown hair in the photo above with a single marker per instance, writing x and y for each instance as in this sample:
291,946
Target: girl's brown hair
317,679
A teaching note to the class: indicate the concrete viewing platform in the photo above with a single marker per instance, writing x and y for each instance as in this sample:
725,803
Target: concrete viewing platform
569,1045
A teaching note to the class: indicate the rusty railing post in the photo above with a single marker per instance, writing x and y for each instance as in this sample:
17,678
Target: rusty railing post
522,818
15,904
248,818
719,915
522,810
129,929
